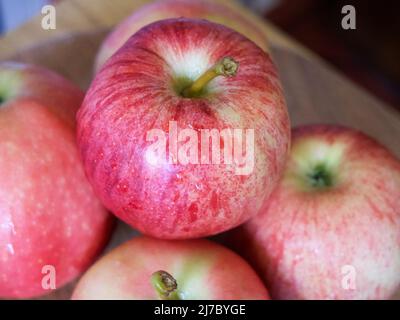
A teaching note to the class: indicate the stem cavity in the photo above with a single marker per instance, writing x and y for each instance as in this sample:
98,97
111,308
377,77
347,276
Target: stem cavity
226,67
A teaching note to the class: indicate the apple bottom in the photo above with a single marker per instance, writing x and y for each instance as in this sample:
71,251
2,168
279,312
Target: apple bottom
331,229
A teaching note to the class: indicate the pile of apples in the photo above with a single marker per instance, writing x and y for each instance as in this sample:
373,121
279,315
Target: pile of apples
316,217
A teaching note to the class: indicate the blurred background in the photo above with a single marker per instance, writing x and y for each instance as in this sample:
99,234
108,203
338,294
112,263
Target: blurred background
369,55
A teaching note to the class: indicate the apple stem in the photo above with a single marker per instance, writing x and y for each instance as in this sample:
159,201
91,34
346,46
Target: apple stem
226,67
165,285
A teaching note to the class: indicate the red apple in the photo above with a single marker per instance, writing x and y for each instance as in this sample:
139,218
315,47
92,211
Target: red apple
162,80
50,221
165,9
332,226
146,268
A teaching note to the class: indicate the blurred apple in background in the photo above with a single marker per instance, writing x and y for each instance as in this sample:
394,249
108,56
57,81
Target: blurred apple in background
332,227
164,9
165,73
49,215
145,268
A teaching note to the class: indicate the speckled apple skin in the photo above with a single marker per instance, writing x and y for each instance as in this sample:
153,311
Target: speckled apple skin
133,93
301,242
166,9
202,269
48,212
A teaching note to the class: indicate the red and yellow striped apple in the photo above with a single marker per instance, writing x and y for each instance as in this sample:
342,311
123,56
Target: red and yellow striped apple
332,226
166,9
49,215
150,269
172,71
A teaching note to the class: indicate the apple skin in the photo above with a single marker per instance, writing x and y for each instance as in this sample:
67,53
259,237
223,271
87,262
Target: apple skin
166,9
202,269
304,241
134,93
48,212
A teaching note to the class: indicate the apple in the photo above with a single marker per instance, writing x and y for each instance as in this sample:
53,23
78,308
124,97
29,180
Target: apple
51,225
150,269
166,9
331,229
162,127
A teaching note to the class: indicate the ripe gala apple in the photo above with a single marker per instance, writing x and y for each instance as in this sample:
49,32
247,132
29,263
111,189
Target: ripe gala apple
149,269
196,76
165,9
50,219
331,229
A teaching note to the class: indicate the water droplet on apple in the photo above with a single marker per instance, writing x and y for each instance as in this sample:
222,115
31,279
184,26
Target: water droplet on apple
8,225
199,186
10,249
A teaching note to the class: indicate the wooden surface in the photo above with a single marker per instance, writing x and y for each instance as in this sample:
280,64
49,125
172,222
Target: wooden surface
88,15
314,91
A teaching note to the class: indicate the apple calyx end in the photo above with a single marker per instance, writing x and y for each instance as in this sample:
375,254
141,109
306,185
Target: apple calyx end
165,285
226,67
320,177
